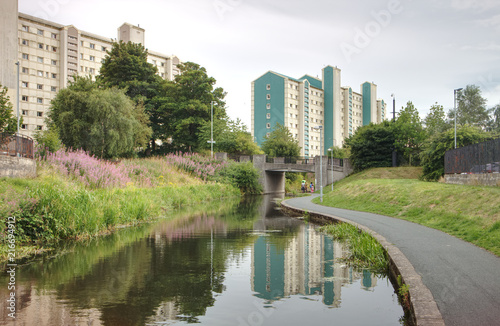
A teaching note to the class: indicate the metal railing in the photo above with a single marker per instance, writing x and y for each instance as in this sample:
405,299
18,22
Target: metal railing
290,160
16,145
478,158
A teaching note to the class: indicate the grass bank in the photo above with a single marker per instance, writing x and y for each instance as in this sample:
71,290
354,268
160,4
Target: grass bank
81,197
471,213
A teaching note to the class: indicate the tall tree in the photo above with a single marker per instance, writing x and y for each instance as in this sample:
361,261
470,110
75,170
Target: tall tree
126,66
408,132
185,106
471,108
8,123
435,121
101,121
494,123
280,143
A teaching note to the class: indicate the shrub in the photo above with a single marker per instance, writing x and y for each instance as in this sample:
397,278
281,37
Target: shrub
243,176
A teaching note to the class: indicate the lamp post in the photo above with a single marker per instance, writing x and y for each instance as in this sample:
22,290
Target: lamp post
320,163
211,141
331,150
455,109
18,116
394,155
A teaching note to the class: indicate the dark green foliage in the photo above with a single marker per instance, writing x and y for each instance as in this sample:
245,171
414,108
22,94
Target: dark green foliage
435,122
471,109
8,123
47,142
371,146
243,176
104,122
434,150
280,143
408,133
230,137
184,107
338,152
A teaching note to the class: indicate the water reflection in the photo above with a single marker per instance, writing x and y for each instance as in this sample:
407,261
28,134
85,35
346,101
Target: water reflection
219,265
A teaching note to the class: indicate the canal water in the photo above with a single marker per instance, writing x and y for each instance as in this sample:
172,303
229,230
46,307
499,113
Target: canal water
235,263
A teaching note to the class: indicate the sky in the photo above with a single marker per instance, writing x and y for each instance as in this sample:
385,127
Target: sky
420,51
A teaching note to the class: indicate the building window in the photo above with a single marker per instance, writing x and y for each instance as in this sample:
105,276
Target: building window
24,98
39,86
268,106
24,84
40,73
25,70
53,89
39,127
25,42
91,58
39,100
103,48
24,112
40,46
40,32
39,59
54,49
54,62
268,86
25,28
92,45
268,116
268,96
24,127
25,56
39,114
54,36
54,75
91,71
81,55
268,125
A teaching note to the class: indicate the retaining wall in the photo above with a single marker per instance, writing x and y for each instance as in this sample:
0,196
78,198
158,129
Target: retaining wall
17,167
483,179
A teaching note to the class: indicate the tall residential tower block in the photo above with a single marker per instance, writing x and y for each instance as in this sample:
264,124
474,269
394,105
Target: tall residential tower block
302,104
49,54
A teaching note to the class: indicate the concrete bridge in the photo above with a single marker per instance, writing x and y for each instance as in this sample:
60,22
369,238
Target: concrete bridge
272,170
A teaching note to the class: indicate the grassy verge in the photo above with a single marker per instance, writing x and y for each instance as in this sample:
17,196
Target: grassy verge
364,250
471,213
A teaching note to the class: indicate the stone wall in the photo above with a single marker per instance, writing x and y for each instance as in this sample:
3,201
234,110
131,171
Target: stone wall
17,167
485,179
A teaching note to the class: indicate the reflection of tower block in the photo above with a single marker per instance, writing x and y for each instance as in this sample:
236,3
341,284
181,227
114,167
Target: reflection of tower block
368,281
166,311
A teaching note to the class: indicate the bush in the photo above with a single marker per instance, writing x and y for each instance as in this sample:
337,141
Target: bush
243,176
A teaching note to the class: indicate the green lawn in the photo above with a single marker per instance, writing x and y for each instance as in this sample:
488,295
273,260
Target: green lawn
471,213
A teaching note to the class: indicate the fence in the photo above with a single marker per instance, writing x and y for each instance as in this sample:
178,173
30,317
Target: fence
478,158
16,145
290,160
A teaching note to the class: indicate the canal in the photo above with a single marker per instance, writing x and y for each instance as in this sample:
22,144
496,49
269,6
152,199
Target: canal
232,263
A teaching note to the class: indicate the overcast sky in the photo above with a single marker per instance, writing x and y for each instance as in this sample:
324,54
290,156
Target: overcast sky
419,50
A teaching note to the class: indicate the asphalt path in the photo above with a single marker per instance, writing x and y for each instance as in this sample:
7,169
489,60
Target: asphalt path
464,279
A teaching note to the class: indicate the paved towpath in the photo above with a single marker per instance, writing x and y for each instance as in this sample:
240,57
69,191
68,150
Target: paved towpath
463,279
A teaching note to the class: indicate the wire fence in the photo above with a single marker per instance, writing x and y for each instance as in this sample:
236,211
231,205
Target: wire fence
478,158
16,145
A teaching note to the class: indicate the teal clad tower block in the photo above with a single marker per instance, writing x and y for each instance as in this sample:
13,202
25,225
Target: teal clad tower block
305,103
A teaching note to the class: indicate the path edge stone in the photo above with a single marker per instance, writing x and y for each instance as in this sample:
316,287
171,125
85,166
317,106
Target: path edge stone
423,308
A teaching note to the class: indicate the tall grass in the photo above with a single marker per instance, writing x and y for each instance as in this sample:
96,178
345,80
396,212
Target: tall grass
364,250
80,196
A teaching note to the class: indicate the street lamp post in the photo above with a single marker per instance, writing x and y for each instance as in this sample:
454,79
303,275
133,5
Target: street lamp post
211,141
320,163
455,109
394,155
331,150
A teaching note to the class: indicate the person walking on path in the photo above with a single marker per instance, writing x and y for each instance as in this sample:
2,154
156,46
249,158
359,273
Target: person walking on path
311,186
303,187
